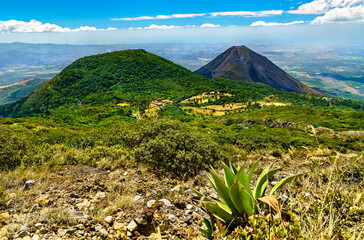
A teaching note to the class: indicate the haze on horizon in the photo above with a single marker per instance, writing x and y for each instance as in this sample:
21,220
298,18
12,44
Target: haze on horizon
236,21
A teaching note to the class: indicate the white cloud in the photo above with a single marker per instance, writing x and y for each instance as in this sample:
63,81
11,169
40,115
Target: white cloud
271,24
154,26
248,13
322,6
178,15
354,14
333,10
33,26
209,25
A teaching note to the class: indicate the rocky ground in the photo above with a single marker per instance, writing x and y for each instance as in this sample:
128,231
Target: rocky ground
83,202
129,202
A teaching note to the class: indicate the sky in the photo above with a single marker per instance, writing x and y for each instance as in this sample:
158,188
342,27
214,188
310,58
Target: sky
140,21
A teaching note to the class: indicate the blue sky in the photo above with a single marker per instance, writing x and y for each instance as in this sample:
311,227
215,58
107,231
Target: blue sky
113,21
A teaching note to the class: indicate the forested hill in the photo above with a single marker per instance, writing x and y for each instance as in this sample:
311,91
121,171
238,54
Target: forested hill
119,82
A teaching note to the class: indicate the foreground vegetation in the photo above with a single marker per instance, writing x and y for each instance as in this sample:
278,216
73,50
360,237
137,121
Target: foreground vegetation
134,110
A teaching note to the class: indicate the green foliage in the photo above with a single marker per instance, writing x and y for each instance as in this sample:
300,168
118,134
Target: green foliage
237,199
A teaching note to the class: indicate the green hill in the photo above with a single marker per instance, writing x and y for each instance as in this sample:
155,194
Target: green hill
19,90
120,84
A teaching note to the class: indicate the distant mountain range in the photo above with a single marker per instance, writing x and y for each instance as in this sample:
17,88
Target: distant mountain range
242,64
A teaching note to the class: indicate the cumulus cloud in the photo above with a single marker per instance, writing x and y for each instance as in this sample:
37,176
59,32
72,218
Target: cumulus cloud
248,13
178,15
209,25
333,10
354,14
33,26
323,6
154,26
271,24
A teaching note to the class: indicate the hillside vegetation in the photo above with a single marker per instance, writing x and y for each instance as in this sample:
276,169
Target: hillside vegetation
114,131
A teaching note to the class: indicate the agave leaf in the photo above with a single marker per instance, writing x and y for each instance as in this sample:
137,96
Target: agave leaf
271,201
252,169
223,205
283,182
263,182
242,177
241,199
218,212
232,168
223,191
206,224
200,195
228,175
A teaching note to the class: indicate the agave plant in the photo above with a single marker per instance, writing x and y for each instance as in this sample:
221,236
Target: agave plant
237,198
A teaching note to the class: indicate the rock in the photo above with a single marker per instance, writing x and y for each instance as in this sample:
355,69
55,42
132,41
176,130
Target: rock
188,212
166,202
132,226
22,234
108,219
150,203
43,231
38,225
100,195
273,183
80,227
176,189
43,200
101,231
82,205
118,226
61,232
125,173
283,197
138,198
4,218
35,237
74,195
172,218
189,206
141,220
29,184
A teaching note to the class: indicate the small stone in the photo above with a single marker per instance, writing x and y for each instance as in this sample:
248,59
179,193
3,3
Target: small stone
35,237
118,225
43,231
125,173
283,197
28,184
132,226
101,230
189,206
150,203
108,219
166,202
138,198
82,205
38,225
22,234
273,183
188,212
100,195
74,195
80,227
172,218
61,232
175,189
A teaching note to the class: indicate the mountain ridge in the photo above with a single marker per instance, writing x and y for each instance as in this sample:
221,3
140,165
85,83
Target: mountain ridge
242,64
